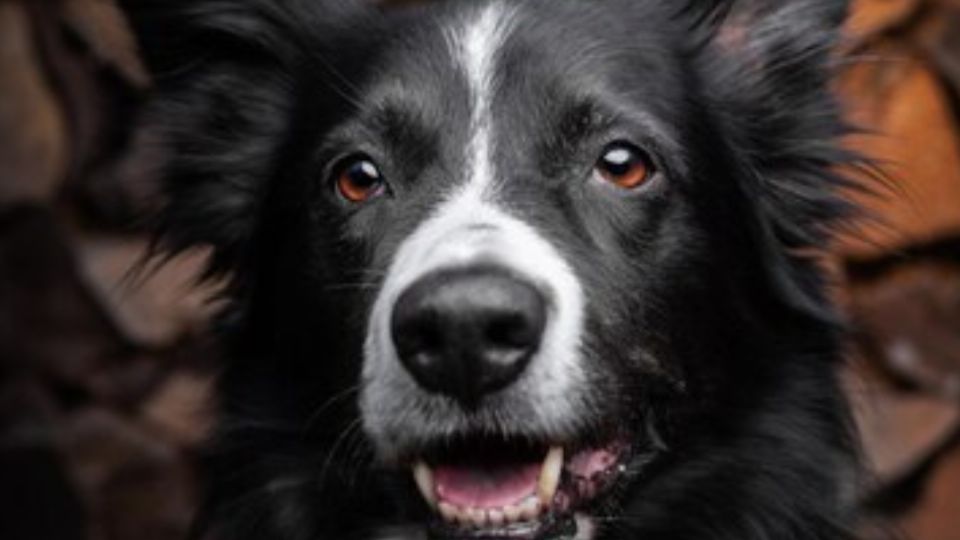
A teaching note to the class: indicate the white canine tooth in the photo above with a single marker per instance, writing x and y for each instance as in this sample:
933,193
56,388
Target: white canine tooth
512,513
550,475
448,512
530,509
424,478
496,517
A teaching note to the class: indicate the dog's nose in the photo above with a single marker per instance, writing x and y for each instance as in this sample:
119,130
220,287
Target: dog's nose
468,332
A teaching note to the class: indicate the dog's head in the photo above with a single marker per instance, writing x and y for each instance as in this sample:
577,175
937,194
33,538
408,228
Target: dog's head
520,249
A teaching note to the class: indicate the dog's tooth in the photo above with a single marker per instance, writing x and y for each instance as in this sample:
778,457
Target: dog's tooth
462,515
530,509
448,511
478,517
511,513
423,475
550,475
496,518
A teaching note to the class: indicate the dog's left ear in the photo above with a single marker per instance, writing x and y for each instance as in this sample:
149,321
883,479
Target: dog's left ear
769,32
770,66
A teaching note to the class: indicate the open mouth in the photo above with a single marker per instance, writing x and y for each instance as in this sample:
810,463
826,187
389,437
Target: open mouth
514,490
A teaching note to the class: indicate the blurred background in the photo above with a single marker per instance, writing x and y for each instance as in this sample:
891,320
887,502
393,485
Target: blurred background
104,378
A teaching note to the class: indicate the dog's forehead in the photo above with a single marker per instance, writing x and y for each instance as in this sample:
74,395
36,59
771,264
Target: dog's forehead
515,53
490,88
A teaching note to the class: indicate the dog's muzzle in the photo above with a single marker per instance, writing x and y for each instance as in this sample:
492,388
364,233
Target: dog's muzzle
476,327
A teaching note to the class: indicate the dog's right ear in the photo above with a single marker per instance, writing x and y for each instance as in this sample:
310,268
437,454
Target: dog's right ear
176,34
224,71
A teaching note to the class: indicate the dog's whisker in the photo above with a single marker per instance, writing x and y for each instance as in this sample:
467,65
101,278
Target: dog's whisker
351,287
330,402
359,456
331,453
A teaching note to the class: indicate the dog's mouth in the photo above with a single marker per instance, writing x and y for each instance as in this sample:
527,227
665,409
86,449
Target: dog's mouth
515,490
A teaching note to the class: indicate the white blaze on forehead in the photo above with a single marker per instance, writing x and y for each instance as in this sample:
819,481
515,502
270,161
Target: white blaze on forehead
478,45
470,227
476,48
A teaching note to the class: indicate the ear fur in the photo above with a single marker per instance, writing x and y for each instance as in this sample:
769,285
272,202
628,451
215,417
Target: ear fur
175,34
770,65
224,74
775,60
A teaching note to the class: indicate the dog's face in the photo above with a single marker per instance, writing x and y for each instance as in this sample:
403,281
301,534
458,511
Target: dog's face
526,240
519,255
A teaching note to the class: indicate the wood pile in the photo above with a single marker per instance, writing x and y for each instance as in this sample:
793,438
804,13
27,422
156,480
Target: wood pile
105,373
902,274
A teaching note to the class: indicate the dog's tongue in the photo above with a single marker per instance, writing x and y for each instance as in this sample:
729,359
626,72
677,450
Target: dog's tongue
486,486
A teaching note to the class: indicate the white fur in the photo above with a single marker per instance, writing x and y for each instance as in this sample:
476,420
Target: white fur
470,228
476,50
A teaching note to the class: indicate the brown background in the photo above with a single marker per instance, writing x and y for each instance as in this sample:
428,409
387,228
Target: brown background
104,377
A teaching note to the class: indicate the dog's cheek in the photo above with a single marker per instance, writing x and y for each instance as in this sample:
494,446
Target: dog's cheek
623,317
314,285
660,286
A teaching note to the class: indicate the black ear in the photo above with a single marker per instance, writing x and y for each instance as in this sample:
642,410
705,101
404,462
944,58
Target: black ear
174,34
769,66
823,13
225,72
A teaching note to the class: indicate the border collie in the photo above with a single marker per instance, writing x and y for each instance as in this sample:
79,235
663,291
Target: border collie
513,269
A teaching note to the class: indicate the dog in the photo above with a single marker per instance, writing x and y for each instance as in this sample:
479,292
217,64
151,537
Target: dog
513,269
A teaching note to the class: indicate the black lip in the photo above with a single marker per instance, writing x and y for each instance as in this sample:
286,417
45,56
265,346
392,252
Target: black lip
484,449
549,527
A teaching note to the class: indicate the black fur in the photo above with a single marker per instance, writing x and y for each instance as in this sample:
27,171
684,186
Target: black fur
712,274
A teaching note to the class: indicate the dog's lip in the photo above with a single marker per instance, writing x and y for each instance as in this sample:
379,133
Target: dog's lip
519,499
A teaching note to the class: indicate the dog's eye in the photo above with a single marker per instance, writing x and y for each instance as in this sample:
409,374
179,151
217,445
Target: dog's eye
624,165
359,180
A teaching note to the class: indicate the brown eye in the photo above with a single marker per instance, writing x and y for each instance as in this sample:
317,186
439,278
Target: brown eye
359,180
625,166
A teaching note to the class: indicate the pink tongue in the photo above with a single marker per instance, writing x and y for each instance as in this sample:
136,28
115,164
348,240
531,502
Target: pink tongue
494,487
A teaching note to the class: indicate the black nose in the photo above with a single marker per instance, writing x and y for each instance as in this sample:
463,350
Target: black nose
468,332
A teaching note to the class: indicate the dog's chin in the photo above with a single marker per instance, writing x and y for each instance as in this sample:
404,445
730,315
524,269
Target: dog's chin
571,527
484,488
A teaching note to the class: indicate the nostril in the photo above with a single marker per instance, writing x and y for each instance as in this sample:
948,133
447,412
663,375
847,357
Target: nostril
468,332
